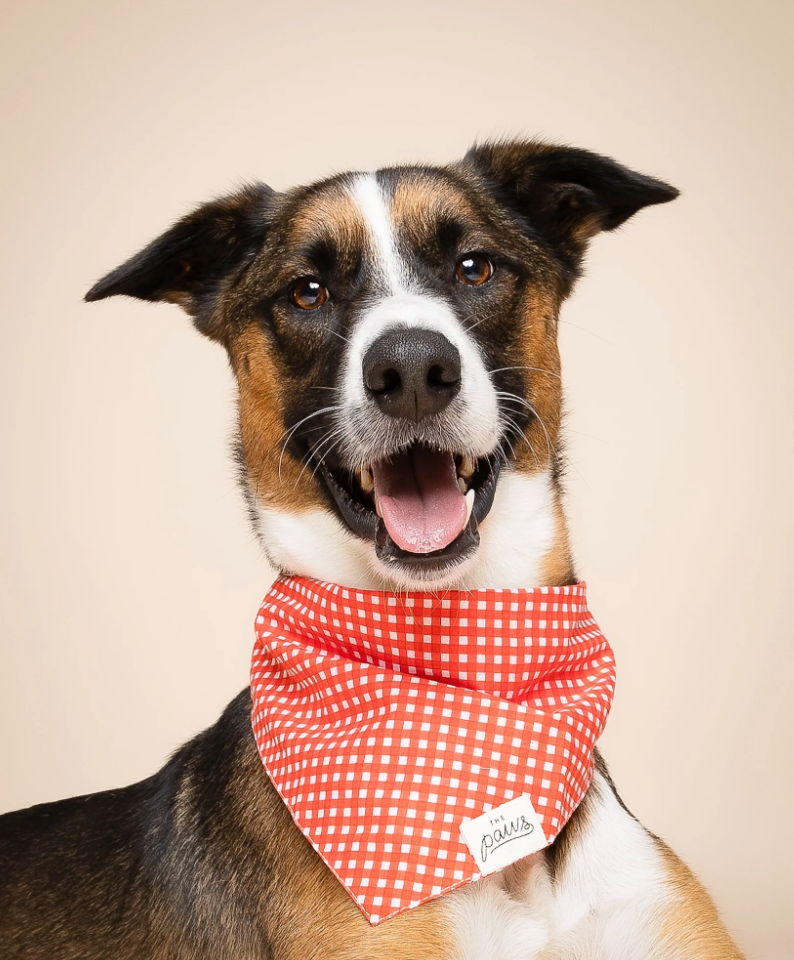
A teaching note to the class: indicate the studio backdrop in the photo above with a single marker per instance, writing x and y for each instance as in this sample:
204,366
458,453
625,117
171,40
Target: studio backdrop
129,577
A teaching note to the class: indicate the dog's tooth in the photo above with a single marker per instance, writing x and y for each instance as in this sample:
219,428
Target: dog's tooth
366,480
462,485
469,505
466,467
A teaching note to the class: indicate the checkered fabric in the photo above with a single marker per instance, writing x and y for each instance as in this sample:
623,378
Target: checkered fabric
387,720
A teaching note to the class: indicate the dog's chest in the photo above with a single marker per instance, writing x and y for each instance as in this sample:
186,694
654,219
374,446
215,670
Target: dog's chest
611,885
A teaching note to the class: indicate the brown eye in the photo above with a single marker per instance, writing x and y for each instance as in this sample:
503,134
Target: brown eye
308,293
474,269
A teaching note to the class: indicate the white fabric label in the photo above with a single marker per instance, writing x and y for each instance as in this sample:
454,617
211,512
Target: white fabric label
503,835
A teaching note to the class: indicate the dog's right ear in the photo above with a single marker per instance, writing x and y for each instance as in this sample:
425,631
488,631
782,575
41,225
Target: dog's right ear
564,194
188,264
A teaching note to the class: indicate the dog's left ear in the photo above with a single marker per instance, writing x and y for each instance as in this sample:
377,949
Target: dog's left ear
188,264
565,194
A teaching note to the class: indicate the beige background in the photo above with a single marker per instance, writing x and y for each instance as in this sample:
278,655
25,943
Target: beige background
129,578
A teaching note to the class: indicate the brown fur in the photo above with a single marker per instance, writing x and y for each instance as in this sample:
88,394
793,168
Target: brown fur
557,566
277,478
692,925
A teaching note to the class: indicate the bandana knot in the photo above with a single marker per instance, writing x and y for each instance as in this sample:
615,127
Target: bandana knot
390,724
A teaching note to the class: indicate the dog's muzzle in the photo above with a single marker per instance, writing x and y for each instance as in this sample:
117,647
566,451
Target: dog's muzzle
419,499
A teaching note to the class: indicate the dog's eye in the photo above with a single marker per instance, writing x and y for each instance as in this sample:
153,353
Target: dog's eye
474,269
308,293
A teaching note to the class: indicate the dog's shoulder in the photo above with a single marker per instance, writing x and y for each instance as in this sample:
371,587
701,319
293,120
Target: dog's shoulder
164,840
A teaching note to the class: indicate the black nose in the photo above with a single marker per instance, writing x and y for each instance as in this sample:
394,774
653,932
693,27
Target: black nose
412,373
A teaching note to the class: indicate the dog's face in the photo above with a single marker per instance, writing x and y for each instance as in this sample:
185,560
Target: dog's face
393,336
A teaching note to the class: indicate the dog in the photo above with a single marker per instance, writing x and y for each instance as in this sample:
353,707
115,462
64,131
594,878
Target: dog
393,338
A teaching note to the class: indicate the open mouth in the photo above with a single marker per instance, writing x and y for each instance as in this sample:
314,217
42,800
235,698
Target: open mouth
420,506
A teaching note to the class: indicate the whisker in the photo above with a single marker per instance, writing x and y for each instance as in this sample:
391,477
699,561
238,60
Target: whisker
471,326
545,431
507,440
292,430
516,427
592,334
538,369
516,399
327,453
333,436
591,436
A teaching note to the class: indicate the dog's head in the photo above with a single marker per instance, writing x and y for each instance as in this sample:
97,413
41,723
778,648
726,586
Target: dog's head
393,336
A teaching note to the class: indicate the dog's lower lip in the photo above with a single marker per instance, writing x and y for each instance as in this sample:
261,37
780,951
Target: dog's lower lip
359,515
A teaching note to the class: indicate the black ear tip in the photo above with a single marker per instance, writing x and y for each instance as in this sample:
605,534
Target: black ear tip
650,190
665,192
108,286
634,193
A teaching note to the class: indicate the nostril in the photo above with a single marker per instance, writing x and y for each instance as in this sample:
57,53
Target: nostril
382,379
442,377
390,382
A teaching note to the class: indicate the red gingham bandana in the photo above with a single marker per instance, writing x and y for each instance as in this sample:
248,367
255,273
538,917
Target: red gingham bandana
387,721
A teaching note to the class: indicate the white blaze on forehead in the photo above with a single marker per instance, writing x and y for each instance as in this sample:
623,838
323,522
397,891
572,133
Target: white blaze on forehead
398,301
374,208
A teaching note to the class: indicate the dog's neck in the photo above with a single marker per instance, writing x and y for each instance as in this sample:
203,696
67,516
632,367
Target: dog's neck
524,543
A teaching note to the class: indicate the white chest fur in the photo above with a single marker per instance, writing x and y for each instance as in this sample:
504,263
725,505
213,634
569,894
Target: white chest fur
515,537
601,905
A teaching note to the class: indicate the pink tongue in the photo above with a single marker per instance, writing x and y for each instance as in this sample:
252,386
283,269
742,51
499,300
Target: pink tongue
417,495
